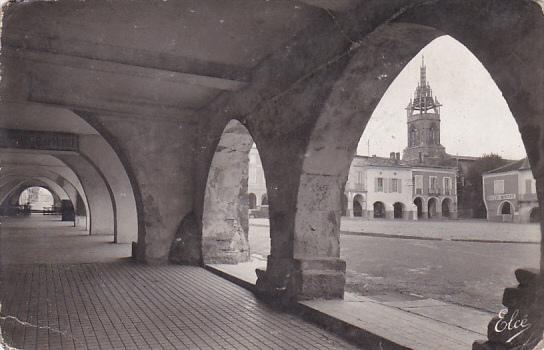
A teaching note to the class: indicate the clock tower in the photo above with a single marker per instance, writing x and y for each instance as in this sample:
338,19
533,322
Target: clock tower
423,121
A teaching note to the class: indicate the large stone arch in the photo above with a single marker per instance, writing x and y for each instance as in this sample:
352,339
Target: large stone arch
377,59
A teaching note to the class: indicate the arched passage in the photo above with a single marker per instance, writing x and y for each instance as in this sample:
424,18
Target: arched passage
38,198
225,224
61,180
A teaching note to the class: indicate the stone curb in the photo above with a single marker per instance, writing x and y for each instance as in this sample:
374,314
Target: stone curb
386,235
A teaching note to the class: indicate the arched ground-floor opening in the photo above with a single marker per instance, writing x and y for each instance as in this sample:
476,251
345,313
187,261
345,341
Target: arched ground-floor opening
358,205
505,208
398,210
379,210
446,208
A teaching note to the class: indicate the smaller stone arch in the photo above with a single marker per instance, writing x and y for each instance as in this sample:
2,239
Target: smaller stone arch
359,205
432,208
398,210
447,207
505,208
379,210
252,201
38,198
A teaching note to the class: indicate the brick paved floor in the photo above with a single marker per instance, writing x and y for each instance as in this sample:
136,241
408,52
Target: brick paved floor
119,304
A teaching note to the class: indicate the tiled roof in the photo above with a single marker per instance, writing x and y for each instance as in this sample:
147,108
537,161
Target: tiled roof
389,162
381,161
522,164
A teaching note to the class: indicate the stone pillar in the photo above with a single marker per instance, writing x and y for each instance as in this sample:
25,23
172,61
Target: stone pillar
225,222
309,265
524,307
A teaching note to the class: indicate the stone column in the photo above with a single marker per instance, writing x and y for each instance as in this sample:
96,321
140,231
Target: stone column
309,264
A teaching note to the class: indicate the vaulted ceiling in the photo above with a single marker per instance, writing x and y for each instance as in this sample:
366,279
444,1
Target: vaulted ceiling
170,56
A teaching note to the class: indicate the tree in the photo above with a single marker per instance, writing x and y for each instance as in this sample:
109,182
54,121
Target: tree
472,192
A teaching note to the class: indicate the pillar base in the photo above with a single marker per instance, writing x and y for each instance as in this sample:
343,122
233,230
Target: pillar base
523,302
288,280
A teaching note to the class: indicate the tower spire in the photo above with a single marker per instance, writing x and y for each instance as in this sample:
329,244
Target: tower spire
423,72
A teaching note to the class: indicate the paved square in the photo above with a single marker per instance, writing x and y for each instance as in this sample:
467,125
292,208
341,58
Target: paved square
125,305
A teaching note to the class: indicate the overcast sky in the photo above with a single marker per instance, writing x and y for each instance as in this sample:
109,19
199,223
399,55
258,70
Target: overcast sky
475,118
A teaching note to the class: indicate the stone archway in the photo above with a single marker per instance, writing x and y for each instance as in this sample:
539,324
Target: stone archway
373,64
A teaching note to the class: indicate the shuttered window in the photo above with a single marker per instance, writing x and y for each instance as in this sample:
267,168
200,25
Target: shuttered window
379,184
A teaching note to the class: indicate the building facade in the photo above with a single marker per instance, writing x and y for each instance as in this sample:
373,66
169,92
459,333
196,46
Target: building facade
379,188
435,192
423,185
510,193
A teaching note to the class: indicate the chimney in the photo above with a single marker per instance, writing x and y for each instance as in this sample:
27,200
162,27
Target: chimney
392,155
398,156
